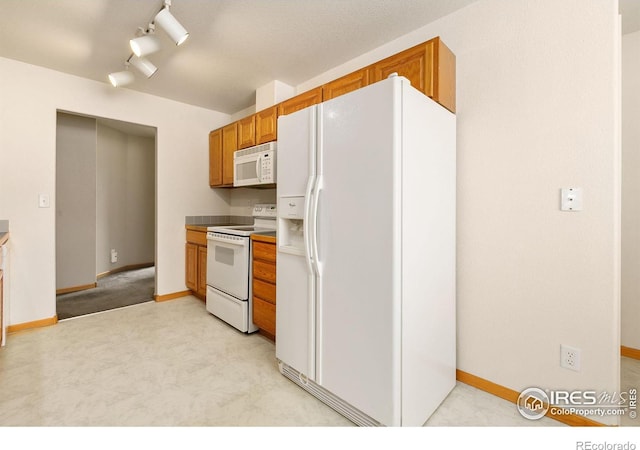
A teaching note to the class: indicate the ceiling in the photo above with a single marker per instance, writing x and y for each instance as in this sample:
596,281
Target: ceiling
235,46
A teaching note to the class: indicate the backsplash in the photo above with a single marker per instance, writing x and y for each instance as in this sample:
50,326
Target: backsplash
217,220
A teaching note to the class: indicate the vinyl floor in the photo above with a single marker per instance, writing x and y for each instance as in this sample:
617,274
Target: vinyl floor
172,364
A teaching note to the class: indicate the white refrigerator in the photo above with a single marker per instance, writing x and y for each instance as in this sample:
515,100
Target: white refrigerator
365,276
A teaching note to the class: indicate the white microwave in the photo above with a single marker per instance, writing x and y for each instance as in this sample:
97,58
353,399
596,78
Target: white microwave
255,165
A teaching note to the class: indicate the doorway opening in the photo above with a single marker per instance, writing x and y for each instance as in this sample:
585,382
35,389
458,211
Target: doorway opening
105,214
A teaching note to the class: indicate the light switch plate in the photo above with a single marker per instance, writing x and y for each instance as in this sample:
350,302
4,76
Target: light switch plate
571,199
43,201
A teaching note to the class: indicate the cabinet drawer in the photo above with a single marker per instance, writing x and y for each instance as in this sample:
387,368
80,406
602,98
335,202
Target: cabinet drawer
264,315
264,251
197,237
266,291
264,270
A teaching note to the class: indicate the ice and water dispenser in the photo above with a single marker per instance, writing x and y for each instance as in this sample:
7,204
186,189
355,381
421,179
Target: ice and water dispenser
291,225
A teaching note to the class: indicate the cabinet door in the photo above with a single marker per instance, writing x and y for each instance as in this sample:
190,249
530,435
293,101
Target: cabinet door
430,67
215,158
191,266
348,83
264,315
414,64
267,125
202,270
312,97
247,132
229,145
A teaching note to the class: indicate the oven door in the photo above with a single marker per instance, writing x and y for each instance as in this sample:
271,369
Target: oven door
228,264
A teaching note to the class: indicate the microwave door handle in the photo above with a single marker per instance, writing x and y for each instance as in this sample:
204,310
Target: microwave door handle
259,168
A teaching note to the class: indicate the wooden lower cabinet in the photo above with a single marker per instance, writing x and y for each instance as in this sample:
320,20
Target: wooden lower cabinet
196,263
191,263
264,284
202,271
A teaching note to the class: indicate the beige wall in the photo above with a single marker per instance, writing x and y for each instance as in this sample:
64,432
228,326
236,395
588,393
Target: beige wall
537,98
75,201
242,200
31,96
125,199
631,190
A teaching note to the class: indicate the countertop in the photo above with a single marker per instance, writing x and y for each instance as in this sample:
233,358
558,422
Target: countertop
199,227
203,226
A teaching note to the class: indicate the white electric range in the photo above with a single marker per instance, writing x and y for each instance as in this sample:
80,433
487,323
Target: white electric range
229,290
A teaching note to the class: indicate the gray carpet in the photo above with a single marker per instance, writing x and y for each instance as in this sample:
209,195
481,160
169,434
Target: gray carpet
113,291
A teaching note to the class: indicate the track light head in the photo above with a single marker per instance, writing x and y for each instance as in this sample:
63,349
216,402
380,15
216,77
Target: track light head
144,45
123,78
171,26
143,65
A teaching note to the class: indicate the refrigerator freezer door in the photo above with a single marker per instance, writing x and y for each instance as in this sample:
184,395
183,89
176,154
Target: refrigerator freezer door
294,314
358,245
296,145
295,285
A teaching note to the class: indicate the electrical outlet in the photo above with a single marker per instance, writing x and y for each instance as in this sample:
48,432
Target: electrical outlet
114,255
570,357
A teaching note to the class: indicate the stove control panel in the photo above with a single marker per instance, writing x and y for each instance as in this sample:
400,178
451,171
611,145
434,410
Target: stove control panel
264,210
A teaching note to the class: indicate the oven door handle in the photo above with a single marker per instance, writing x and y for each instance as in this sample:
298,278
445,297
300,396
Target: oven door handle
235,242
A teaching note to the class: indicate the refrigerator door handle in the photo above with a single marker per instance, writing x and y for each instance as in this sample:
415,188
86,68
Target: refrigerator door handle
314,226
306,228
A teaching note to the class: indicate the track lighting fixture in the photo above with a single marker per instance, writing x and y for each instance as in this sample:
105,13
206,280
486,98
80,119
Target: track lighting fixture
143,65
145,44
123,78
171,25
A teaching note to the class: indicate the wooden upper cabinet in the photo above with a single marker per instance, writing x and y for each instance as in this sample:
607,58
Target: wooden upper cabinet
229,145
345,84
215,158
430,67
247,132
267,125
301,101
